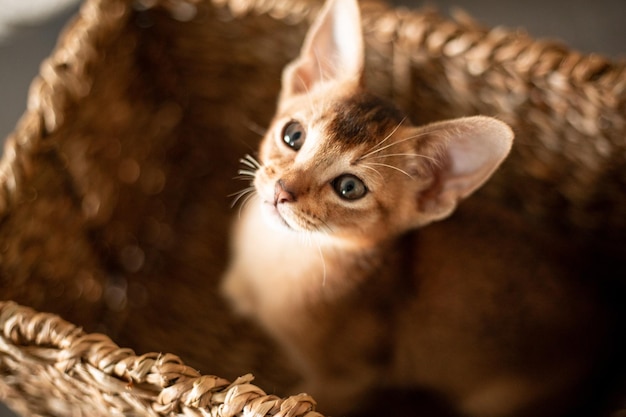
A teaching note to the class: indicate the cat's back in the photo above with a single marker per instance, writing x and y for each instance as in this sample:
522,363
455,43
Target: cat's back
503,316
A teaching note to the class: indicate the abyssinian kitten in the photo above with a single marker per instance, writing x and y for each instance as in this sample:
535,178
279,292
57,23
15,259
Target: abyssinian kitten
330,257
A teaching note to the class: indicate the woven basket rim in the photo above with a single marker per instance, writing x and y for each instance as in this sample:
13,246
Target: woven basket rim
159,384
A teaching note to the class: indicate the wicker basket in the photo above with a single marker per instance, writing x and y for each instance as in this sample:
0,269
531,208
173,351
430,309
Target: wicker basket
114,186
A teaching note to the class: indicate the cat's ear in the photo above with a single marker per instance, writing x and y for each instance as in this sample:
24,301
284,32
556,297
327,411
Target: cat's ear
332,50
465,153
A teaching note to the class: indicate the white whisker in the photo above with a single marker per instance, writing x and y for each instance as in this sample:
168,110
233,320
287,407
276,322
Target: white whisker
250,196
240,194
326,228
250,161
253,160
243,177
319,248
246,172
406,154
305,238
373,169
369,154
392,167
256,128
372,149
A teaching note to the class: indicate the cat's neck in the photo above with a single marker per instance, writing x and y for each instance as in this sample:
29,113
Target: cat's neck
307,267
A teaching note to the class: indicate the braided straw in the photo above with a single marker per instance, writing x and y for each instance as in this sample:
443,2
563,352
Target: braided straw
63,80
113,185
87,374
567,109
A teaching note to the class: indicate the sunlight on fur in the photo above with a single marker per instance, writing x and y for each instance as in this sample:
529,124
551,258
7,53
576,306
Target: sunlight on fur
329,256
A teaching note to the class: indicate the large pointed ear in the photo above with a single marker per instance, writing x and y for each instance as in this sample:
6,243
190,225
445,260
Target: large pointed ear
466,152
332,50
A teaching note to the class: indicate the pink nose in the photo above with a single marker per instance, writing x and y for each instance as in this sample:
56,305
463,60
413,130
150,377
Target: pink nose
281,194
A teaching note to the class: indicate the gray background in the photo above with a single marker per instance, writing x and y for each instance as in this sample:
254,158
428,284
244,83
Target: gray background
589,26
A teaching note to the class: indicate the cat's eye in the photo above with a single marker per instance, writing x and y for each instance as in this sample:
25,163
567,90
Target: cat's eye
294,135
349,187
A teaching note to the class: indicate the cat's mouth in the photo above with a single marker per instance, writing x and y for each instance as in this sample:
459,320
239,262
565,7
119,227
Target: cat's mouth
275,216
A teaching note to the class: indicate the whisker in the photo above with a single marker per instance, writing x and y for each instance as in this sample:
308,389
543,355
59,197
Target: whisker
326,228
319,249
246,172
373,169
251,161
250,196
386,138
367,155
243,177
304,237
256,128
406,154
392,167
241,191
247,163
240,194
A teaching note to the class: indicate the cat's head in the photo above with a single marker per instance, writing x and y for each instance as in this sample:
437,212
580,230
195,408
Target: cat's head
340,162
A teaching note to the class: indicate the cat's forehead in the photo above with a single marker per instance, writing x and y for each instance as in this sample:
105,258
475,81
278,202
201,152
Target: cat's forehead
361,118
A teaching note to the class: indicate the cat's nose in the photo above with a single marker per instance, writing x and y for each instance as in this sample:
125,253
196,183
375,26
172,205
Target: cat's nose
281,194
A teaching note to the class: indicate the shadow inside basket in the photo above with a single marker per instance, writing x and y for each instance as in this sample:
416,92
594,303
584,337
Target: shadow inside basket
115,185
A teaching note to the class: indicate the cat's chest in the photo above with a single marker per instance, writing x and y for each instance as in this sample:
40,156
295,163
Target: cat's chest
277,253
274,269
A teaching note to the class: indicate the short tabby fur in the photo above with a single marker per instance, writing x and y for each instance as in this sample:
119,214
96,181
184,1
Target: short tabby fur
328,259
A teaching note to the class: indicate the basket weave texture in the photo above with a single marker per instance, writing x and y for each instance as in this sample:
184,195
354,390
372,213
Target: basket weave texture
113,187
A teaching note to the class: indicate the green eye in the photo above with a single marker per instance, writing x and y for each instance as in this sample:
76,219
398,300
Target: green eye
349,187
294,135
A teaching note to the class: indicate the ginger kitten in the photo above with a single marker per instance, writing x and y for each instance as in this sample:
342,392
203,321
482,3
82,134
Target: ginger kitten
330,259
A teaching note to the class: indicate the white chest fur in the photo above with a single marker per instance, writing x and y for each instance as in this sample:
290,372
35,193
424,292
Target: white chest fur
273,270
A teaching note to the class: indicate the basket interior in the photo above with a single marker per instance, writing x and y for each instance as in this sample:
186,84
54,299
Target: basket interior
115,195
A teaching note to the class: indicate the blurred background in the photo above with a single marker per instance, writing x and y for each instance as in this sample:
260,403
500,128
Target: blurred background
29,29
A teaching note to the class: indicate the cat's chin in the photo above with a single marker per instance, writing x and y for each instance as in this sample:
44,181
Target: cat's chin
274,218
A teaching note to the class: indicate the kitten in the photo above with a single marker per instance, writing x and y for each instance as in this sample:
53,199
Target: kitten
329,256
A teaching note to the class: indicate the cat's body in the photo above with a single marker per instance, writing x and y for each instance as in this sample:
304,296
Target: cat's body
489,326
327,258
